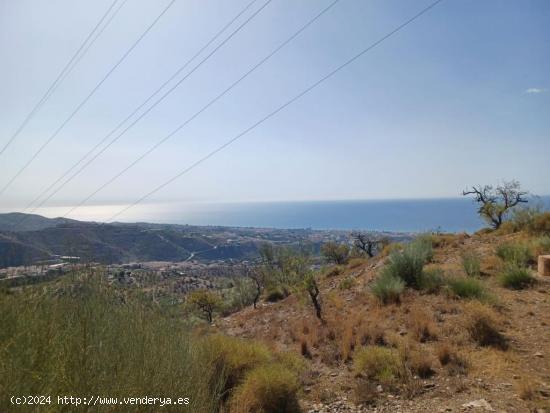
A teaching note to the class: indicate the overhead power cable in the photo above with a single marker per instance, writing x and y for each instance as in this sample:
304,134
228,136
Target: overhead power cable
69,66
142,105
81,104
273,113
210,103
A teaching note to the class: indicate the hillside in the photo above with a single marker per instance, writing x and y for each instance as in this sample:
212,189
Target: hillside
432,330
40,238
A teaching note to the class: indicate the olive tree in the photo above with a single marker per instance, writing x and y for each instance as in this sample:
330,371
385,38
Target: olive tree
204,301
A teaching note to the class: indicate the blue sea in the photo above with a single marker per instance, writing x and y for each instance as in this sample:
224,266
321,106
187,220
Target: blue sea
452,214
418,215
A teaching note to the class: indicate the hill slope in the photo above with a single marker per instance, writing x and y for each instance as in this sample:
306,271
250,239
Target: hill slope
451,371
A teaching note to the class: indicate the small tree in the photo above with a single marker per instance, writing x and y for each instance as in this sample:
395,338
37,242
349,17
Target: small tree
310,285
368,243
335,253
495,203
206,302
258,278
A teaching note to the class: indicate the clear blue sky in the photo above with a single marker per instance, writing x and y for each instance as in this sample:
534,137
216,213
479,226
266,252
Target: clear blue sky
460,97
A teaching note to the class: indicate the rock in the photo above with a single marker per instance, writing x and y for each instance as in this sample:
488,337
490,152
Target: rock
539,354
481,403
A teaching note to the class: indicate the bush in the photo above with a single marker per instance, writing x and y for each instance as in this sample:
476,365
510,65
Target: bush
378,363
517,253
408,264
267,389
483,327
335,253
431,280
541,224
87,337
516,278
540,246
333,271
275,293
471,263
467,288
346,283
388,288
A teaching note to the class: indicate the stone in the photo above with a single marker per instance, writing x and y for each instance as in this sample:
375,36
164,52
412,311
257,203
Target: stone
544,265
481,403
539,354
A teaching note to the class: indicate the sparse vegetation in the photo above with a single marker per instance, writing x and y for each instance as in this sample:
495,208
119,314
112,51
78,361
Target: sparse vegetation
346,283
335,253
388,288
517,253
471,263
205,302
496,203
409,263
269,389
466,288
378,363
516,277
59,340
368,243
431,280
483,327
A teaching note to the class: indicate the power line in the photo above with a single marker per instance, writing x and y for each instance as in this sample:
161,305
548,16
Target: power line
136,110
69,66
77,109
276,111
205,107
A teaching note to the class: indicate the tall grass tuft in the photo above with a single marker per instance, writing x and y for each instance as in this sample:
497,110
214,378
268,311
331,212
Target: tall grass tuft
86,338
388,288
408,263
471,263
516,278
517,253
467,288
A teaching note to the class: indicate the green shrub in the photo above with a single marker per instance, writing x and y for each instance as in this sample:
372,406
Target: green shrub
408,263
335,253
423,245
388,288
346,283
275,293
467,287
378,363
431,280
517,253
516,278
541,246
267,389
471,263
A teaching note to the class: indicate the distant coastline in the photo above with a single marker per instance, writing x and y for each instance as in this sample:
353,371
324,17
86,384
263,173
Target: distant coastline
398,215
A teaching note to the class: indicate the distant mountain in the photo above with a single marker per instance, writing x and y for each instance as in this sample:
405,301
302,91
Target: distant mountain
40,238
18,222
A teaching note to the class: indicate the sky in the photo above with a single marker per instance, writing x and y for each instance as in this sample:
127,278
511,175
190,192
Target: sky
459,97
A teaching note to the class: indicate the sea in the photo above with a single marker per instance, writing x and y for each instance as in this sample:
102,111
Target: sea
414,215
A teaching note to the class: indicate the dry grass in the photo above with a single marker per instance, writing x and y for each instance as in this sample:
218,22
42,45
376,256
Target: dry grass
422,325
267,389
526,389
483,326
356,262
